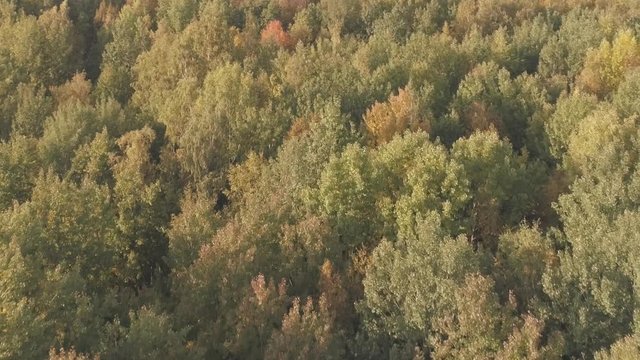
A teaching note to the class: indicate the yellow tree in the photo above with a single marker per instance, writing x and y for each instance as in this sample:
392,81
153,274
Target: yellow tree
605,67
400,112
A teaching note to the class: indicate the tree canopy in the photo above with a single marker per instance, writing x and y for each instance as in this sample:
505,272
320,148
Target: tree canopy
319,179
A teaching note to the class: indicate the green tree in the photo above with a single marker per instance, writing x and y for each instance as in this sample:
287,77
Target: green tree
341,17
593,287
18,170
433,183
203,45
347,195
412,282
71,126
149,336
59,252
436,66
522,257
503,187
46,48
177,14
131,35
318,74
626,348
519,52
565,52
32,109
142,207
93,160
235,113
624,97
569,112
391,163
192,228
488,98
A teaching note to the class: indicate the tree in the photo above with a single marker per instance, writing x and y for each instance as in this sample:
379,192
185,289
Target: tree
521,260
59,251
92,161
391,163
433,183
77,89
526,342
307,333
520,52
382,74
274,34
340,16
605,67
475,326
234,115
32,109
72,125
10,75
177,14
412,282
18,168
142,207
70,354
479,325
501,185
39,51
488,15
192,228
564,53
624,97
626,348
488,98
318,74
570,110
602,142
45,48
289,8
597,217
43,228
594,307
131,35
385,120
25,332
436,66
258,318
149,336
307,24
347,195
203,45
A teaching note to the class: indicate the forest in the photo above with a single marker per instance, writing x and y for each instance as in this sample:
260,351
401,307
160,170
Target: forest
320,179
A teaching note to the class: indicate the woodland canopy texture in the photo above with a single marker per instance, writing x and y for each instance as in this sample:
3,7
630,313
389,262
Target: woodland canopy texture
319,179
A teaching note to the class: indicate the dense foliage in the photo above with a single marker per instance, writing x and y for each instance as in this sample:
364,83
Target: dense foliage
320,179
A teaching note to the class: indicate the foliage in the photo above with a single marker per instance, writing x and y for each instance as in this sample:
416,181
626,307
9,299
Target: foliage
384,121
326,179
605,67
